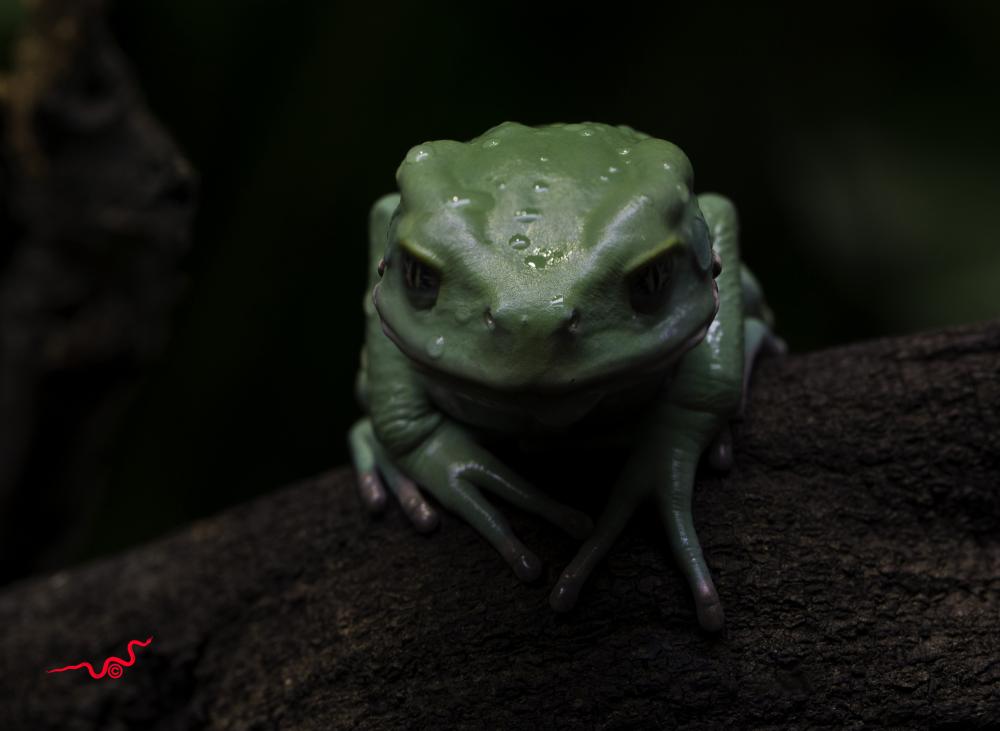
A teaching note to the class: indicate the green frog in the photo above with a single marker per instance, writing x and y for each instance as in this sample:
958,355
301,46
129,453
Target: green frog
548,281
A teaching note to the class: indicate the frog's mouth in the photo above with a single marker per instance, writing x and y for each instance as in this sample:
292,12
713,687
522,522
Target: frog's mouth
486,380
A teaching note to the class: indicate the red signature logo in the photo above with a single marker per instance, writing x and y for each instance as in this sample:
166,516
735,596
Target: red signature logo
114,667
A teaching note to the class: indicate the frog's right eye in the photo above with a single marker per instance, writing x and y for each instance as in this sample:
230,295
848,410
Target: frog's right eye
648,284
422,280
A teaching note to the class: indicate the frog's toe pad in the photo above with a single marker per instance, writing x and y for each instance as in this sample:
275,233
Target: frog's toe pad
720,453
709,609
526,565
423,517
565,593
373,494
773,345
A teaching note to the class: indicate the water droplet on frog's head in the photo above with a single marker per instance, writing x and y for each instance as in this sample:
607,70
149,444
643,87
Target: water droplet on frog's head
457,201
419,155
667,166
527,215
541,186
435,347
502,185
612,170
519,241
491,143
605,177
586,133
683,192
543,158
624,151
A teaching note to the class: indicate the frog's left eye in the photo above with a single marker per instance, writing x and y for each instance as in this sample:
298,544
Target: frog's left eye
422,281
648,285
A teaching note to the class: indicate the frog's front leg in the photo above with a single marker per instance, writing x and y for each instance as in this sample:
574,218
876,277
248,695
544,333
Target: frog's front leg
455,469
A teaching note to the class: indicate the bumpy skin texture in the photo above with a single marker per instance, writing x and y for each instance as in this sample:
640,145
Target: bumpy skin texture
560,281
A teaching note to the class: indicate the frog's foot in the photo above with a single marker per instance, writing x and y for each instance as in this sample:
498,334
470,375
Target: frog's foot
370,462
455,470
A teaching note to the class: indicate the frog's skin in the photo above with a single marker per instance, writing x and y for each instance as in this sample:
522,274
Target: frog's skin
534,281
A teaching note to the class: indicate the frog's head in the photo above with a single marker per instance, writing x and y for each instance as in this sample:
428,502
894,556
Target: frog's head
545,260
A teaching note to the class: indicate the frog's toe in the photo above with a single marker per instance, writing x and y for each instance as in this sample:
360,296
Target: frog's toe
414,505
527,566
373,493
417,509
599,542
720,453
566,592
492,526
489,474
461,495
362,445
709,607
773,345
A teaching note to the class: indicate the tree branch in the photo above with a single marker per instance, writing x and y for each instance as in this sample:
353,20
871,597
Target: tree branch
856,547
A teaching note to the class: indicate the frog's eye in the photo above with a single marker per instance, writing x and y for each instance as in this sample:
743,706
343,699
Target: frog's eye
647,285
421,279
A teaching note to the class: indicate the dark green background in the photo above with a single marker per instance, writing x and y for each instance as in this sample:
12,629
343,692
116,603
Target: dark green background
859,143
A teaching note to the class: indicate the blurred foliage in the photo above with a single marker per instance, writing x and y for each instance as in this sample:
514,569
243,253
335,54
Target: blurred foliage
858,141
11,18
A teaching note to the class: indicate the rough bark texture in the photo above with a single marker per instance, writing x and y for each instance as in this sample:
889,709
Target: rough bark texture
96,205
856,546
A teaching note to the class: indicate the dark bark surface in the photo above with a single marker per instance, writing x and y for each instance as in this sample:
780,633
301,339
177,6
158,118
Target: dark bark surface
96,204
855,544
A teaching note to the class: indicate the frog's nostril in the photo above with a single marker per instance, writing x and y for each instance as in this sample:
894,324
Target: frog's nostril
572,325
540,322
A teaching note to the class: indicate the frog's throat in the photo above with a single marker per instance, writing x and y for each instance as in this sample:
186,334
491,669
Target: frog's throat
651,363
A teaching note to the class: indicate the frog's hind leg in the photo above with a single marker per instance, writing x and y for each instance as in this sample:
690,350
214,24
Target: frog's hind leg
376,470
